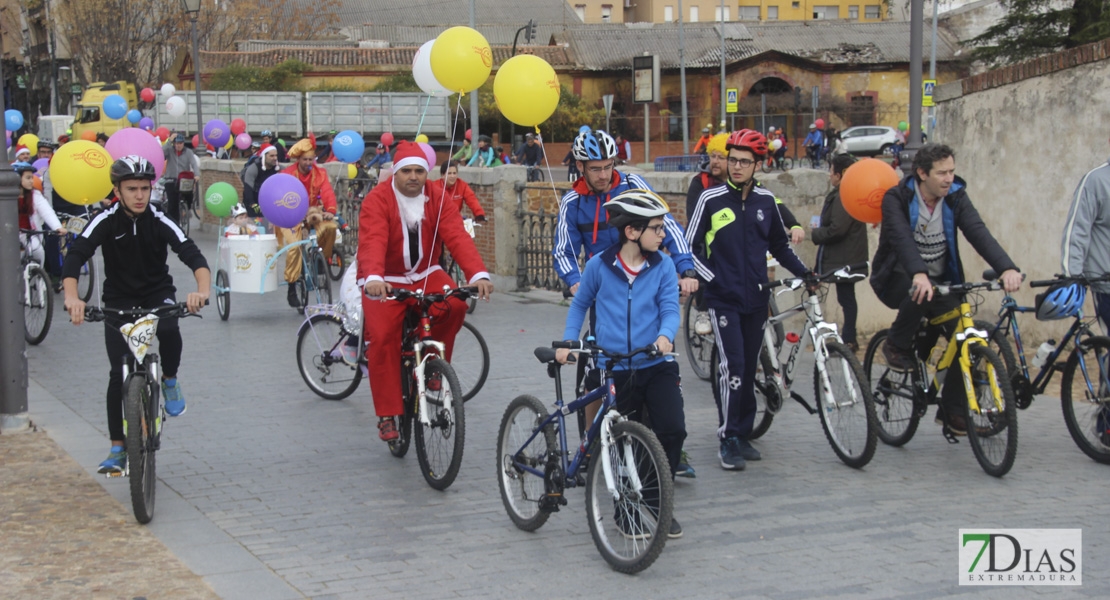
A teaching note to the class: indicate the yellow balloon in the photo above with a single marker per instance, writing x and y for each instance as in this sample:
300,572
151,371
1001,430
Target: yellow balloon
461,59
230,141
421,139
80,172
526,90
352,171
31,141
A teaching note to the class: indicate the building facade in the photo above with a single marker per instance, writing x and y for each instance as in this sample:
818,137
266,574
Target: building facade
702,11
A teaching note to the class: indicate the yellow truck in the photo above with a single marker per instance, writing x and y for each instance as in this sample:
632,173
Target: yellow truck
90,112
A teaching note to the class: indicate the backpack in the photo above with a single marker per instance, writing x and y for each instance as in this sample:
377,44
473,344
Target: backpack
254,160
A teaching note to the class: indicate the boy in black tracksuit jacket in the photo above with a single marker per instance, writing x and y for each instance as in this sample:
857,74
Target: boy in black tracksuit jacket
731,230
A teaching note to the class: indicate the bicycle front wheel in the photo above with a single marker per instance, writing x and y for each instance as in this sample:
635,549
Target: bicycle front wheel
320,358
470,359
86,281
1086,401
336,265
138,435
992,427
183,210
698,347
223,298
439,444
38,305
522,489
631,530
846,407
893,392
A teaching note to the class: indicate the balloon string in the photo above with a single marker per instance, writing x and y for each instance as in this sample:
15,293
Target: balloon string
546,162
443,188
420,125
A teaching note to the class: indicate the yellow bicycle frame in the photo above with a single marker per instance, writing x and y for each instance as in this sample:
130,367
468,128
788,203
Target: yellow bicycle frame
961,339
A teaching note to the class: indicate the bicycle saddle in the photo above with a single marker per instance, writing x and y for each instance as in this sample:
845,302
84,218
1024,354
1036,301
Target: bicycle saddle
545,354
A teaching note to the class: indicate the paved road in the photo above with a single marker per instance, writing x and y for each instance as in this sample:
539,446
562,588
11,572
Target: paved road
269,491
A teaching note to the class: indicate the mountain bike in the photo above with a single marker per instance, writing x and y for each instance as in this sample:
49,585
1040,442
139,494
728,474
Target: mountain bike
38,296
88,277
844,401
534,173
143,413
333,362
430,390
903,397
186,207
629,492
1085,401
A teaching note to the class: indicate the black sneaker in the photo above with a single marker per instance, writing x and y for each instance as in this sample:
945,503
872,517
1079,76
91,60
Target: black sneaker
676,529
294,301
896,358
729,455
747,451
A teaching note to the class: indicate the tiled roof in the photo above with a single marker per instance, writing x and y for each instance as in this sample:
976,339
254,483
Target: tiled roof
829,41
497,34
356,13
321,58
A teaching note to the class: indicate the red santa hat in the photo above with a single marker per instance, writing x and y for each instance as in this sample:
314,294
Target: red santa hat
266,148
409,153
21,149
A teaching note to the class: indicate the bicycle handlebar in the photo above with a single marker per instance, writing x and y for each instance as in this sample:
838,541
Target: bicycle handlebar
99,313
462,293
593,349
1061,278
843,273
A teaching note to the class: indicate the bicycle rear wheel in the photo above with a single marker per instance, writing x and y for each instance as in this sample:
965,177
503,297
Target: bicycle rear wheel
893,392
522,491
439,444
321,282
631,530
184,209
767,399
992,429
846,407
470,360
456,275
336,265
320,358
86,280
223,298
138,434
698,347
38,305
1086,399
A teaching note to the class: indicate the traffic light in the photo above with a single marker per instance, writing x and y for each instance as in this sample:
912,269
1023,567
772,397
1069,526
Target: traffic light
529,31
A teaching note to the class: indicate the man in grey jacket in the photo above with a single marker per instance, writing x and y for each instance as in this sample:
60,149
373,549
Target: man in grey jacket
1085,249
178,159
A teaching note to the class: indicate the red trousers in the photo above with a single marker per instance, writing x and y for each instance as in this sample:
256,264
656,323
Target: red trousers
383,322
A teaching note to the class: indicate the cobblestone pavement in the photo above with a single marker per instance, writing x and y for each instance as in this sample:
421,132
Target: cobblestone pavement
63,537
270,491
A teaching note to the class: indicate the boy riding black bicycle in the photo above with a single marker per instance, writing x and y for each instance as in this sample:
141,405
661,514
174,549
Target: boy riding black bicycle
134,240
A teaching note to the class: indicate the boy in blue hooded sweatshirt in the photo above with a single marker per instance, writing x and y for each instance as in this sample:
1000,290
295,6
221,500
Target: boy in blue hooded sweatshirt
634,289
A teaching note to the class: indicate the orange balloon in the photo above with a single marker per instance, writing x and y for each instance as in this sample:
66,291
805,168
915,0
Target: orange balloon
863,187
89,135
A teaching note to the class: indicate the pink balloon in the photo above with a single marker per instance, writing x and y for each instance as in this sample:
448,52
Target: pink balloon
428,152
133,140
387,139
243,141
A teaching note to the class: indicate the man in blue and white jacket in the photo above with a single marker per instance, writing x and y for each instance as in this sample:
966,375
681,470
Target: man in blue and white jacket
584,223
634,290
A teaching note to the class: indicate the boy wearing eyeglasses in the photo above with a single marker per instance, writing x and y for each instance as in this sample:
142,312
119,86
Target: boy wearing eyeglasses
731,230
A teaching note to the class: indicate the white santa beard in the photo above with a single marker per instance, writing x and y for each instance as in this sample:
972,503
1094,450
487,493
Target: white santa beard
411,209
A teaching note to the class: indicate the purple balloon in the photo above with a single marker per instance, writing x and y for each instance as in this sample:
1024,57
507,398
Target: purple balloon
243,141
131,140
146,123
40,164
283,200
217,133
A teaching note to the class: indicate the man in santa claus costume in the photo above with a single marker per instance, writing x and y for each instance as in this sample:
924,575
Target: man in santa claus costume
402,229
320,193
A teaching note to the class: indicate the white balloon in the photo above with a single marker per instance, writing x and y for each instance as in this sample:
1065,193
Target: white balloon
422,71
776,144
175,106
168,90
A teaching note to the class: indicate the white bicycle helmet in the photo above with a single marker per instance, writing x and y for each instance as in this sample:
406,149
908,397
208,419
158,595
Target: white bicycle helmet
635,205
594,145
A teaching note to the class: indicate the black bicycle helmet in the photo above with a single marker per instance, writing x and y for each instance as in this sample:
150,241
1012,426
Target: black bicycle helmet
634,206
131,167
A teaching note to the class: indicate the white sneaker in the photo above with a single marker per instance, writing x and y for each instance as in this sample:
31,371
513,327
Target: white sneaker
702,326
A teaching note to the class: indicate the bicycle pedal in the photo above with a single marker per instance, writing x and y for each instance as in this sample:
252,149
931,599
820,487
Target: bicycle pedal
114,475
948,435
579,480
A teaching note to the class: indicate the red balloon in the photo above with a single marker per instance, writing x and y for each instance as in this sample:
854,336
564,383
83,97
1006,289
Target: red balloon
163,133
468,134
238,126
387,139
196,142
147,95
820,123
863,187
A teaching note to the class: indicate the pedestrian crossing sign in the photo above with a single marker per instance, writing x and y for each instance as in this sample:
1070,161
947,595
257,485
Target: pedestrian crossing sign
731,101
927,92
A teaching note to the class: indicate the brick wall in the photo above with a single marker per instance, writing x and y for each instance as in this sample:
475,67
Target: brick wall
1037,67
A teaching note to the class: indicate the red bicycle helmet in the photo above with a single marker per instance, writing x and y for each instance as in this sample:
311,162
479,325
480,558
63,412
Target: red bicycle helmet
748,139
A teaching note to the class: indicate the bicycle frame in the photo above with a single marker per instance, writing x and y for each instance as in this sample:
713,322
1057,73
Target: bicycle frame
962,338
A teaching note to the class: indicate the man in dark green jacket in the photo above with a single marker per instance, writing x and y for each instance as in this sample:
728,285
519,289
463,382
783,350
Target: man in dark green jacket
841,241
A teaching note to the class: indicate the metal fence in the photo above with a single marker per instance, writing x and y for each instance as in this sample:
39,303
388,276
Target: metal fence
535,266
679,163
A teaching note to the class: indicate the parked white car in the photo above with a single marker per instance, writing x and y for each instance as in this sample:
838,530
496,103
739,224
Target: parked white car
869,139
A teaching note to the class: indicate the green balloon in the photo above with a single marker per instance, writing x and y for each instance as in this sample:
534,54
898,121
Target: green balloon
903,126
220,198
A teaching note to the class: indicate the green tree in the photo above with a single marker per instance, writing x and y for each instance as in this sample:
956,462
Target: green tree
398,82
1035,27
285,77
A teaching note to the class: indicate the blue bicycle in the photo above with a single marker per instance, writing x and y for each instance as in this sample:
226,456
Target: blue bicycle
629,493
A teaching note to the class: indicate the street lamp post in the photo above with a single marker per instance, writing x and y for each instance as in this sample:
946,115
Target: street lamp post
192,9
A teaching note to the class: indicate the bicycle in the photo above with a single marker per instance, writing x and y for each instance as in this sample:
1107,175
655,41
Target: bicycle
782,164
185,205
903,397
433,414
455,272
143,413
38,295
314,273
534,173
629,492
1089,357
844,401
699,346
332,376
87,279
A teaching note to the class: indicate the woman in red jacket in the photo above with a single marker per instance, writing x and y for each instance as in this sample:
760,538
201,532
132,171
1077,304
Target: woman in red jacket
456,189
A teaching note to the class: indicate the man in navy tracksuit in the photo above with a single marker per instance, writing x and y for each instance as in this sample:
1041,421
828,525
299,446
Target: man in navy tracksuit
634,290
732,229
